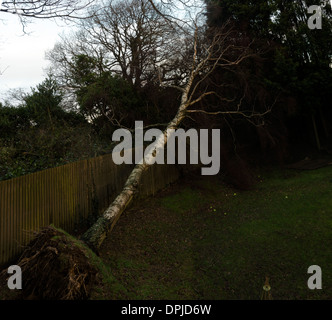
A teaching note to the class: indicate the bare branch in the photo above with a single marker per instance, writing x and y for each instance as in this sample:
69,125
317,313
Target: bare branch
46,9
237,112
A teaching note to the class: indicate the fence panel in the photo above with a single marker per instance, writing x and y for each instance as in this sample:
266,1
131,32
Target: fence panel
65,196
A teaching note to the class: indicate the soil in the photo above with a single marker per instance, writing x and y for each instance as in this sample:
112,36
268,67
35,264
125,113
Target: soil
54,267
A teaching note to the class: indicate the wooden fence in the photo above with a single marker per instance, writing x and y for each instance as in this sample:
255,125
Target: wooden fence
66,196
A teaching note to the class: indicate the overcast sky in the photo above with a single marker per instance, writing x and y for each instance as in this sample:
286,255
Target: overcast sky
22,56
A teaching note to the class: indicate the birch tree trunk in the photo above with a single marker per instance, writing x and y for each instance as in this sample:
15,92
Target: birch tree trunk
200,70
219,50
95,236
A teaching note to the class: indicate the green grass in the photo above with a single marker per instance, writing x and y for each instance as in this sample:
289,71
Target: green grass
203,240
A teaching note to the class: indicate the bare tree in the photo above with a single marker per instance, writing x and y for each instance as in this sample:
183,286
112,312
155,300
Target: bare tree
219,52
128,38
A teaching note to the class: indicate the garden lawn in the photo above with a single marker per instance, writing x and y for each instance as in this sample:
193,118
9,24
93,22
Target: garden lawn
201,239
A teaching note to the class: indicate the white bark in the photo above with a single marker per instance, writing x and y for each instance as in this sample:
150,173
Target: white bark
95,236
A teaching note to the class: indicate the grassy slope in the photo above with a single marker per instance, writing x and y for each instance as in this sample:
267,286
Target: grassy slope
203,240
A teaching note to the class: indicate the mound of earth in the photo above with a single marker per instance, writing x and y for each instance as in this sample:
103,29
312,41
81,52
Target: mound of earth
55,266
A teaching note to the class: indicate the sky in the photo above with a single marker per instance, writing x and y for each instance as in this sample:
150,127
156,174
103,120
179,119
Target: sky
22,56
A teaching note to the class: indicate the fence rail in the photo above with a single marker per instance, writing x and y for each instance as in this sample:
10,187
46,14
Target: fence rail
65,196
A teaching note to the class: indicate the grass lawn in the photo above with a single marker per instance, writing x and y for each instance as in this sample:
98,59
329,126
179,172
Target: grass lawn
201,239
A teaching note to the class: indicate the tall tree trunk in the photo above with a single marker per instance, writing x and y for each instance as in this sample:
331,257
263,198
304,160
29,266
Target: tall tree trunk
95,236
201,69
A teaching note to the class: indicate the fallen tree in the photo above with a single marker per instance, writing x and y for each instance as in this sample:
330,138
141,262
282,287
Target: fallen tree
218,54
217,50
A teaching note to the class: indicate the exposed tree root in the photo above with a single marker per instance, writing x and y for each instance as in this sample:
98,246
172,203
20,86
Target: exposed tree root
55,266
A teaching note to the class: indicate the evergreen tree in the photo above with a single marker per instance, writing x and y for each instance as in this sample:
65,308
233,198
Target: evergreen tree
297,59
